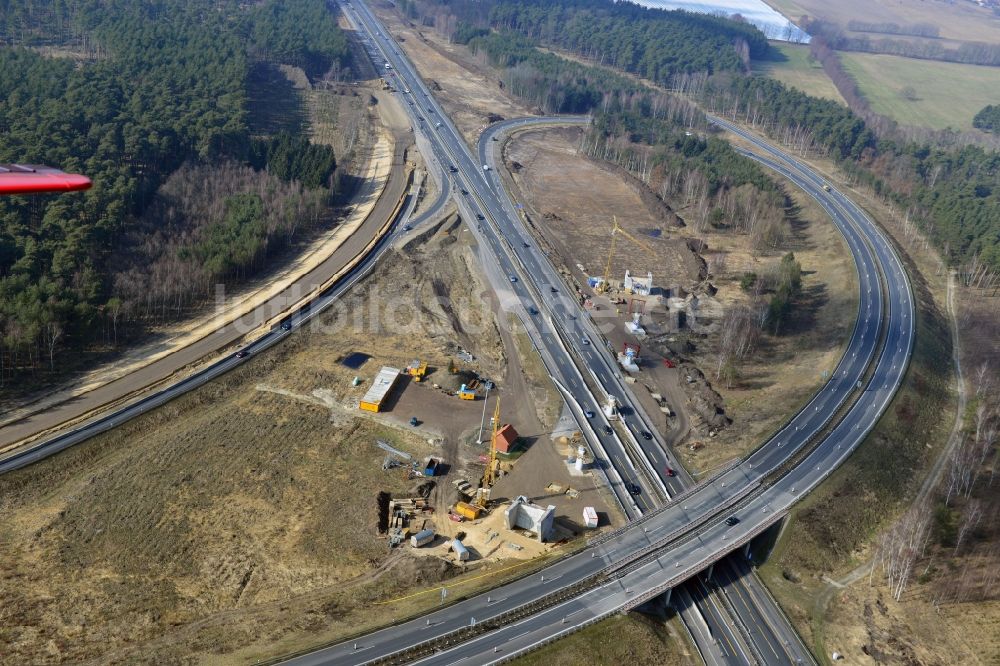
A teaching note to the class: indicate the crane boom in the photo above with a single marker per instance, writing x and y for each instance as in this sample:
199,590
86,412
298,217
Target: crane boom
489,475
615,230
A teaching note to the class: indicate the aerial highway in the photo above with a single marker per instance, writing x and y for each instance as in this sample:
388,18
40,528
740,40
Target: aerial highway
666,546
71,436
733,628
162,370
667,543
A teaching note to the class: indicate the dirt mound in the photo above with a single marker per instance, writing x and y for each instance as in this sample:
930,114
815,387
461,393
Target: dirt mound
453,381
704,400
423,570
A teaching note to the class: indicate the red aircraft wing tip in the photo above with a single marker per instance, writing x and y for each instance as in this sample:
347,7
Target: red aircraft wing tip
21,180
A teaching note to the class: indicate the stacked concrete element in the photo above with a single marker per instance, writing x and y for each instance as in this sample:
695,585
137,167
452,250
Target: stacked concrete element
531,517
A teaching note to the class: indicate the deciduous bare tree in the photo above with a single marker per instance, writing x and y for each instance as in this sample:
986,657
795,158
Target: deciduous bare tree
901,545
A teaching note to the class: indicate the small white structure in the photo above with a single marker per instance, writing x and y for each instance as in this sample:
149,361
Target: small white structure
531,517
422,538
634,327
461,552
580,453
628,359
611,408
589,517
640,286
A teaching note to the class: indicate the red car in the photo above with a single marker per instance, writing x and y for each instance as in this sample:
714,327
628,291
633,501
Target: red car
671,472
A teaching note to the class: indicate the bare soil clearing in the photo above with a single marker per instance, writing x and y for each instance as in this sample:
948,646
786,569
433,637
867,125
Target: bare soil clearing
240,521
379,130
573,216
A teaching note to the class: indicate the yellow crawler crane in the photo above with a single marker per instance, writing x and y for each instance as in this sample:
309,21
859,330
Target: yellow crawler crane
615,230
489,475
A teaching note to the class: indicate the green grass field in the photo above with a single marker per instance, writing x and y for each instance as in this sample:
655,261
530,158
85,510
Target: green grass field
790,64
962,21
947,94
632,639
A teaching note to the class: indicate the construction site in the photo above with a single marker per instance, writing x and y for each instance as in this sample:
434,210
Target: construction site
659,292
294,486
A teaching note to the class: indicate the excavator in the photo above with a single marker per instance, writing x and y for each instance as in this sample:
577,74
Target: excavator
34,179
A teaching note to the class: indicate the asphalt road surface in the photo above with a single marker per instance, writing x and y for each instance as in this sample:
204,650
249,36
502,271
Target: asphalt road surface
163,369
175,363
674,542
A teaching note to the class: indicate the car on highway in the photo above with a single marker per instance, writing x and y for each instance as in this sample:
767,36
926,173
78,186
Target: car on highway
607,430
479,216
532,310
451,167
633,488
524,244
406,227
513,278
486,167
553,290
465,192
243,353
286,325
589,414
585,341
671,472
646,435
732,520
437,124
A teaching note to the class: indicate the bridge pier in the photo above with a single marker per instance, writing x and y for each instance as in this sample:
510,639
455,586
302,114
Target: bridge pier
658,606
708,572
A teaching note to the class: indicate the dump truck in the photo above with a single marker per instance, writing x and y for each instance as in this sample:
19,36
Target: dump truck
432,467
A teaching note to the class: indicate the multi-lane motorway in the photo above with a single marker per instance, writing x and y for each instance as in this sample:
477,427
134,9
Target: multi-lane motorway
663,546
668,545
726,628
